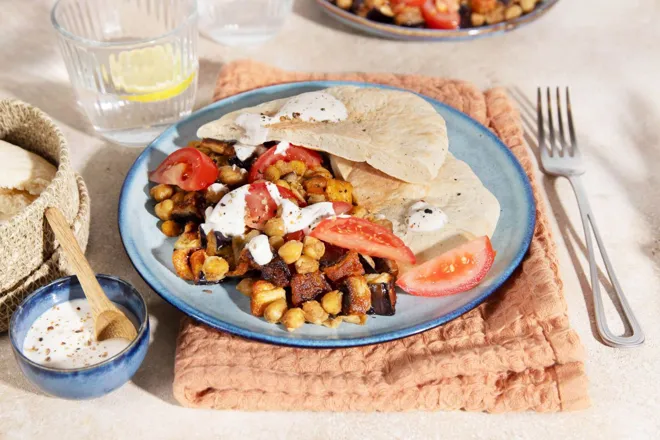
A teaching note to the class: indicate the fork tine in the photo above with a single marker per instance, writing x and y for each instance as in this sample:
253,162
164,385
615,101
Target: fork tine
571,128
539,121
562,139
551,128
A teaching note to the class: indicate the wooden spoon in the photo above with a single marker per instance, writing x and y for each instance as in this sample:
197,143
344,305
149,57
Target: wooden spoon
109,321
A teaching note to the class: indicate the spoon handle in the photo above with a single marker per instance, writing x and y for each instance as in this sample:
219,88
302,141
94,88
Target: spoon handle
91,287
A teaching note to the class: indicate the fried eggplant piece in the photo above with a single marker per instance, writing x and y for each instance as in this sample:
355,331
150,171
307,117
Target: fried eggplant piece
244,263
383,298
331,256
386,265
306,287
356,298
190,208
277,272
218,147
349,265
197,259
181,262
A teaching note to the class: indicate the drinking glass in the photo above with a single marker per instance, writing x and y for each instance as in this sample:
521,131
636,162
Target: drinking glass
132,63
242,22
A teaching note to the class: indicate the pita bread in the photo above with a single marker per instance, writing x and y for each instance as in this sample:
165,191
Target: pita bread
472,210
396,132
24,177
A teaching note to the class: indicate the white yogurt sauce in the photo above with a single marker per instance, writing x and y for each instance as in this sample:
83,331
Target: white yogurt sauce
281,148
244,151
217,188
423,217
310,107
260,250
313,107
296,219
63,337
228,216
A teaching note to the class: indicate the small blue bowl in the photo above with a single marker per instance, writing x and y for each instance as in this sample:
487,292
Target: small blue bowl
95,380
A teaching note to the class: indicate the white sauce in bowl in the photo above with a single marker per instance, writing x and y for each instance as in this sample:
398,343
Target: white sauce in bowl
63,337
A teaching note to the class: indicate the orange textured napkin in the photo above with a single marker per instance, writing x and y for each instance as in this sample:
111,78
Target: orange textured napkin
516,352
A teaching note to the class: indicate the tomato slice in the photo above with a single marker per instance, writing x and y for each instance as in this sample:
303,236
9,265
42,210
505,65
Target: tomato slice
455,271
363,236
260,205
445,16
310,158
187,168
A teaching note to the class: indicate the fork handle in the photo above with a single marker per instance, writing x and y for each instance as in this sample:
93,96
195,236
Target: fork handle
589,224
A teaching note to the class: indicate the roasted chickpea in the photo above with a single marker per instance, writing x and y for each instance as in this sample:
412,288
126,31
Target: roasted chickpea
290,251
164,209
359,211
215,268
527,5
313,247
306,264
293,318
171,228
331,302
161,192
314,313
315,184
232,175
272,174
275,310
513,11
274,227
284,167
320,171
477,19
298,167
276,241
245,286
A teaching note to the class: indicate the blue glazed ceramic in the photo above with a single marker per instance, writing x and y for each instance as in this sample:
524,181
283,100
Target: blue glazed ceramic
227,309
424,34
95,380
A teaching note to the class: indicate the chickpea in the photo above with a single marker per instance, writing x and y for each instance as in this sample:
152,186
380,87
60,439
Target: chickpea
314,313
527,5
245,286
275,310
331,302
272,174
290,251
164,209
293,318
313,247
513,11
298,167
215,268
477,19
359,211
274,227
284,167
306,264
276,241
231,175
161,192
171,228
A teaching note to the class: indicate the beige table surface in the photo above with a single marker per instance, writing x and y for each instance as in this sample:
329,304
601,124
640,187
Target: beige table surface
605,50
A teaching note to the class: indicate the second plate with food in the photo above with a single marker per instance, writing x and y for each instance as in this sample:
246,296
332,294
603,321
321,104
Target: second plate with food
360,16
492,178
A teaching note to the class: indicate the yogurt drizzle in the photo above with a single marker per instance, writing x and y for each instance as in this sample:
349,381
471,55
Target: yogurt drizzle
423,217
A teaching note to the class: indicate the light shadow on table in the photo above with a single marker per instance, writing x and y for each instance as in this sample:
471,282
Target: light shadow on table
573,239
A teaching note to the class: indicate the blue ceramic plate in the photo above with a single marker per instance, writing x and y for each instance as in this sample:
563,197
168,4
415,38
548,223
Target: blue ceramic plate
424,34
227,309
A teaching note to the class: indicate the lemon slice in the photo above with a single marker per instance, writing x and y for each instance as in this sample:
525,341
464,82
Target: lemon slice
149,74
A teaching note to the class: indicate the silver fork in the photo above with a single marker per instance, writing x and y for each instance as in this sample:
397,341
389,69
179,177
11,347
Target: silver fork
562,158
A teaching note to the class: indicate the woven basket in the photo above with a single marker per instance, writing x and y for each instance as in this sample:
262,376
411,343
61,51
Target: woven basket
29,256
